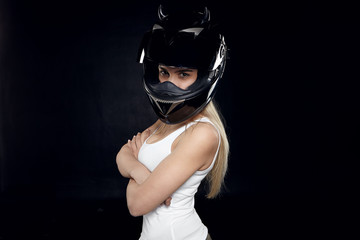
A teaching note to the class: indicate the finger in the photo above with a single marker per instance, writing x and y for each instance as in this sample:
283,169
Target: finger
133,144
168,201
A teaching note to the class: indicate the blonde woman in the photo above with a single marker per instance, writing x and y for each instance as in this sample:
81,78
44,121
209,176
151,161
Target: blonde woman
183,58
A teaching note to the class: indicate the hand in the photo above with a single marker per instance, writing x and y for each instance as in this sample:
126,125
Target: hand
137,141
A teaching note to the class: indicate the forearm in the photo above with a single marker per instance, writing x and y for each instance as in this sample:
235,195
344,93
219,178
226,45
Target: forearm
139,202
136,202
130,167
130,192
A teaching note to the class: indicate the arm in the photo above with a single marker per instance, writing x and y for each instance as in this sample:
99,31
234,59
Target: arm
194,151
127,161
129,166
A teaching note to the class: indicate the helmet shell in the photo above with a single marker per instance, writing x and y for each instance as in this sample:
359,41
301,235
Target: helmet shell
182,42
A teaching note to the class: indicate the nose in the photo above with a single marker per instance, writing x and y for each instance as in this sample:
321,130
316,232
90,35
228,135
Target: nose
171,78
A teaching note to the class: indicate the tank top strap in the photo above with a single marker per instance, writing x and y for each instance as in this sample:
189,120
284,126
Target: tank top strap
172,136
180,130
203,119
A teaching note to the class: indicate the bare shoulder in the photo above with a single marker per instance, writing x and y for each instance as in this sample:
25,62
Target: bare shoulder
202,133
204,130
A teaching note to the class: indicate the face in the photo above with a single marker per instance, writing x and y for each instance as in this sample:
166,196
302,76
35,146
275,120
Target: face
181,77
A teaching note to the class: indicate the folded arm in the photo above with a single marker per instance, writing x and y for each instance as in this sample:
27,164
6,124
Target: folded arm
193,152
126,159
129,166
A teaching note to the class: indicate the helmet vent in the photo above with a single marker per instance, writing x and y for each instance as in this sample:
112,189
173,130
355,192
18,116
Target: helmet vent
166,101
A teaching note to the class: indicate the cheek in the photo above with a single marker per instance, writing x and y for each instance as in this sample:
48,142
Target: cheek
162,78
192,80
187,83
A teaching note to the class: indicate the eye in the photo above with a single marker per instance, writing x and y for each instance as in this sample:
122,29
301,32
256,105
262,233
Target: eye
163,72
184,75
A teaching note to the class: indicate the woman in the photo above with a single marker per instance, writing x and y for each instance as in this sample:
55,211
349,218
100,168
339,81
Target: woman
183,58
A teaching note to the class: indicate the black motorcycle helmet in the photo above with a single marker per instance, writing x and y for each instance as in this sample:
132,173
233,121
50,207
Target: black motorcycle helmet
182,39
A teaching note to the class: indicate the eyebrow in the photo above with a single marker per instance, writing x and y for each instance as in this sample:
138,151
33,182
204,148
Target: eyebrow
184,70
180,70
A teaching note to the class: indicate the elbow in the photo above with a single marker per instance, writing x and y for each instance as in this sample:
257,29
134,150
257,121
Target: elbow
135,209
135,212
118,156
137,201
137,204
119,167
119,162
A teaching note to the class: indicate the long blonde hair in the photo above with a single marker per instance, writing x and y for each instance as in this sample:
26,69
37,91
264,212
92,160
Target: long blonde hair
217,174
215,177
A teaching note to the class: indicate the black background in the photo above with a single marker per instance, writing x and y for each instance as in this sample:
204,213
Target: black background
71,95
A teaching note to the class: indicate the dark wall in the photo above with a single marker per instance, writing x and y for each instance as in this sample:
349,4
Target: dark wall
71,95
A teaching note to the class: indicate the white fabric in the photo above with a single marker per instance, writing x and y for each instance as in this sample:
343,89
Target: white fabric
179,221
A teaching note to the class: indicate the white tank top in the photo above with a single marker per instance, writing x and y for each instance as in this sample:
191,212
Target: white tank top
179,221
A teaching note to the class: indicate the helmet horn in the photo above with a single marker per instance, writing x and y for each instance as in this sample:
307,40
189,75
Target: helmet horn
206,14
161,14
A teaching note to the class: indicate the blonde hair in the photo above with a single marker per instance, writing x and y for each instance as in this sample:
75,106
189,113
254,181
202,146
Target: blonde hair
215,177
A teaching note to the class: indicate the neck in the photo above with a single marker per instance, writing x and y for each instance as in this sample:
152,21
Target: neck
176,126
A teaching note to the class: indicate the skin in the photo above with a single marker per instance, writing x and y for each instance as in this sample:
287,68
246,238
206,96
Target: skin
193,150
181,77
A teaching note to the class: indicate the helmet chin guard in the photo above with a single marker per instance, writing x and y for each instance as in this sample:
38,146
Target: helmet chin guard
182,40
